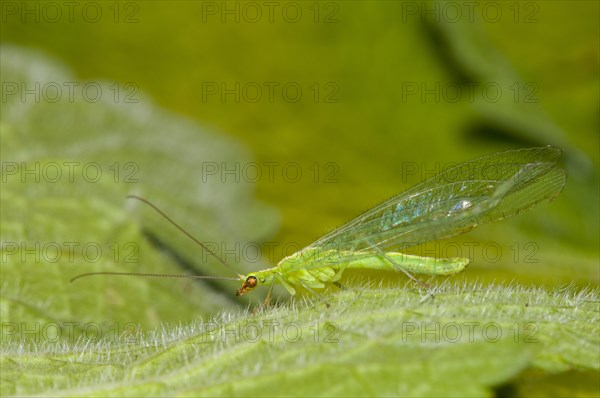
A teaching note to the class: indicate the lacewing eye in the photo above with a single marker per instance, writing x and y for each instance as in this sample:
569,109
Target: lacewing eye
252,281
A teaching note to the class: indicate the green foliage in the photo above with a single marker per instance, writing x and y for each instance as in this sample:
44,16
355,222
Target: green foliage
468,340
67,168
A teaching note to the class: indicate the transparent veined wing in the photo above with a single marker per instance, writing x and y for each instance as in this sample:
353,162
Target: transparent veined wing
482,190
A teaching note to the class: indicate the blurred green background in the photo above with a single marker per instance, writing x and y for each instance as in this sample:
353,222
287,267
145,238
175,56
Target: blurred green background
365,114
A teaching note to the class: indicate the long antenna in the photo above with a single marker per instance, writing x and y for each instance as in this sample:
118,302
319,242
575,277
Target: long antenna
155,275
159,211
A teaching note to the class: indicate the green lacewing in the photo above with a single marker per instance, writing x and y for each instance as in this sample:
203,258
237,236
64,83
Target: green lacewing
482,190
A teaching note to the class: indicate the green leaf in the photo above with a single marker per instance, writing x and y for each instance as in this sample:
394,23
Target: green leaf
67,167
454,340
